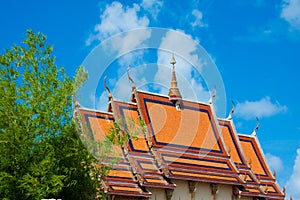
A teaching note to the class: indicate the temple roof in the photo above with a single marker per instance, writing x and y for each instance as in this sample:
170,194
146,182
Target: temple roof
170,140
188,142
259,166
120,180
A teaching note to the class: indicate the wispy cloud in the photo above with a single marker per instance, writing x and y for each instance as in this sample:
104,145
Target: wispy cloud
152,6
115,19
291,13
274,162
293,183
198,19
261,108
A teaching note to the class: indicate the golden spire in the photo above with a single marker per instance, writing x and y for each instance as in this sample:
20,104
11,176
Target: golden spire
133,87
174,93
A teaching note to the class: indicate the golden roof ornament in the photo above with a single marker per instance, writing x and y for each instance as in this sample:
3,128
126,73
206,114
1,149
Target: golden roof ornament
173,61
174,93
108,90
133,87
231,111
213,95
256,127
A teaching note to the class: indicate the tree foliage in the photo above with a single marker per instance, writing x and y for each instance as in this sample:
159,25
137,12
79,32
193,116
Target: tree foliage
41,155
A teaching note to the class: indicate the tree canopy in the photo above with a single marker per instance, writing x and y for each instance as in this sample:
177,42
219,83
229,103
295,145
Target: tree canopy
41,155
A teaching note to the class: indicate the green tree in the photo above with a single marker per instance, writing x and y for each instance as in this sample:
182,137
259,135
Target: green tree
41,155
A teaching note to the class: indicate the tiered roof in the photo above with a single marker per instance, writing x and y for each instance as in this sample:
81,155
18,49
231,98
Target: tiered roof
183,140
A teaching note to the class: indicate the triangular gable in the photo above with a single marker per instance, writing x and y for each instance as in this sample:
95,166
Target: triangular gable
120,180
139,155
188,141
259,166
255,157
232,143
191,129
252,187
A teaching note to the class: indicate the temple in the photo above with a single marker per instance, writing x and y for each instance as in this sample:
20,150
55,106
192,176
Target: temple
181,150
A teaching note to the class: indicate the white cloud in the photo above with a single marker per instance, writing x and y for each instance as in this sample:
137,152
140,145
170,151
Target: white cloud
261,108
197,14
184,49
274,162
293,183
125,44
115,19
120,21
291,13
152,6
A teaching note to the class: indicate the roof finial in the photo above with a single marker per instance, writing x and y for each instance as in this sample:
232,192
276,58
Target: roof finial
77,104
108,90
174,93
256,127
133,87
213,95
231,111
173,61
274,173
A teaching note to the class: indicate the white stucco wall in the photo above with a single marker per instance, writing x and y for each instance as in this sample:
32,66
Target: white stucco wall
225,192
157,194
181,191
203,192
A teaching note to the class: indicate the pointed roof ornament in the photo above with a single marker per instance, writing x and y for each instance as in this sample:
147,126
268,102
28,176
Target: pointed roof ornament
256,127
173,61
274,174
133,87
174,93
108,90
213,95
77,104
231,111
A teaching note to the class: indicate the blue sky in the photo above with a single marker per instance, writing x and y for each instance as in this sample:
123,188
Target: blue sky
254,44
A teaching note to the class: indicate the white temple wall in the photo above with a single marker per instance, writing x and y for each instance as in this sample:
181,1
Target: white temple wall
157,193
203,192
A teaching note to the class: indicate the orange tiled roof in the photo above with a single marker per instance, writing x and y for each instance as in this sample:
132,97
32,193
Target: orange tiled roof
138,152
252,187
259,166
120,180
187,142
